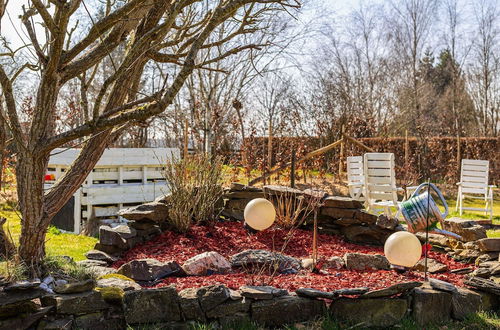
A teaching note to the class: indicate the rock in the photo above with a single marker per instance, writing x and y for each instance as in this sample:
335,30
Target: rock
350,292
433,266
147,234
59,324
489,301
469,230
233,214
370,312
464,302
190,305
339,213
22,286
100,270
142,225
276,190
392,290
150,269
230,307
334,263
75,287
152,305
115,282
286,310
360,261
91,263
307,263
237,204
313,293
263,258
244,195
76,303
154,211
234,321
117,236
489,244
462,271
262,292
22,307
442,285
430,306
371,234
434,239
493,267
98,321
24,321
14,297
109,249
212,296
468,254
387,222
207,263
482,272
101,256
489,256
342,202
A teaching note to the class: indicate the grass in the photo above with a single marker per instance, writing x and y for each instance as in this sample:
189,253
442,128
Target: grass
57,243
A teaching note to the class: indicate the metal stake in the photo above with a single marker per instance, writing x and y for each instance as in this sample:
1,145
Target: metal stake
427,226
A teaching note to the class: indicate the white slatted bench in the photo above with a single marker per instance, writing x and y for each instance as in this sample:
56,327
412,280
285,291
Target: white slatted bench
121,178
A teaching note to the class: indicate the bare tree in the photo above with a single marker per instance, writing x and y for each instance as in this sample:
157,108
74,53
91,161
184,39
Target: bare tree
164,31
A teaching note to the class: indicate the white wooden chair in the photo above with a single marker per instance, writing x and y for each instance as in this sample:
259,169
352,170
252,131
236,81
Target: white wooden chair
355,178
474,184
380,182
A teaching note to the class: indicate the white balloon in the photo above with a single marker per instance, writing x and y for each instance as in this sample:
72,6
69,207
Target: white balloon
259,213
403,249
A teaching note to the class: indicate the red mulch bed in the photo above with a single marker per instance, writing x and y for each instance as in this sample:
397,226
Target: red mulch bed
229,238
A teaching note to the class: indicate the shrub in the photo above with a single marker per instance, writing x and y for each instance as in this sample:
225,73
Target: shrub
195,190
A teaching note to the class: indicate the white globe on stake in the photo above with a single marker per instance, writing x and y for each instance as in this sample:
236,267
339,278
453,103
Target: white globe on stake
403,249
259,213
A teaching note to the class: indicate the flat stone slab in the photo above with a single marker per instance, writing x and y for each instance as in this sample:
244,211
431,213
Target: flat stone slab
152,305
350,292
262,292
342,202
442,285
489,244
433,266
313,293
392,290
430,306
381,312
361,261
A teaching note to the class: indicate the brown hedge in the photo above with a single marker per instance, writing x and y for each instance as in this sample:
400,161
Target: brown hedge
435,157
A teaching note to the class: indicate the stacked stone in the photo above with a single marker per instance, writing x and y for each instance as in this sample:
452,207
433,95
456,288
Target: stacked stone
236,198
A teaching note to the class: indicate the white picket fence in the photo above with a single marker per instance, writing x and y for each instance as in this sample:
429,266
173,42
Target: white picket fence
121,178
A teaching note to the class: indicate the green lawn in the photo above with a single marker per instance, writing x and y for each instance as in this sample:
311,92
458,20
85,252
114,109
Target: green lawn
57,243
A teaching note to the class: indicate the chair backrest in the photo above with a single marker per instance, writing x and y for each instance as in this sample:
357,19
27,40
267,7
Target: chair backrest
355,176
474,176
380,178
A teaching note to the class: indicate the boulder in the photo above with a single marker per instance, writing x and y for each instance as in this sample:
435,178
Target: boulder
464,302
76,303
342,202
142,225
150,269
14,297
434,239
360,261
468,230
207,263
100,256
156,211
24,321
118,236
334,263
230,307
370,312
263,258
109,249
98,321
286,310
489,244
116,282
262,292
151,305
489,301
234,321
22,307
75,287
371,234
392,290
430,306
433,266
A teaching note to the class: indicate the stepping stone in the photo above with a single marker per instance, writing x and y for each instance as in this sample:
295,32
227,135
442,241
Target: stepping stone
392,290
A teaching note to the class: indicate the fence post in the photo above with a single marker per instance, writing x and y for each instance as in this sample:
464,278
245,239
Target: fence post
341,158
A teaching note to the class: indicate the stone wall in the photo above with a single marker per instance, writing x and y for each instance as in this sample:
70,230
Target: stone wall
115,308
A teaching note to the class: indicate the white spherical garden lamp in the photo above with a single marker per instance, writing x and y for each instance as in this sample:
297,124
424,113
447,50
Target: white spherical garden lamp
259,214
403,249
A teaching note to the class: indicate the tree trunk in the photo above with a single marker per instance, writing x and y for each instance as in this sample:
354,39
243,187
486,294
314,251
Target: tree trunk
30,172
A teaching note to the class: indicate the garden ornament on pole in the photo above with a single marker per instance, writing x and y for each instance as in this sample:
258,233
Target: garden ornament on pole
403,249
415,210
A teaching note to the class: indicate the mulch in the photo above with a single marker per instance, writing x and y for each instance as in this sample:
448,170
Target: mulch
228,238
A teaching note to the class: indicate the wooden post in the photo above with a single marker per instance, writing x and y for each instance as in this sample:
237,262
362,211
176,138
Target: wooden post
407,150
341,158
459,156
186,138
292,169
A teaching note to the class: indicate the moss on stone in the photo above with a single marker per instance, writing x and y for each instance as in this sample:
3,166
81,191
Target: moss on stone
119,276
112,294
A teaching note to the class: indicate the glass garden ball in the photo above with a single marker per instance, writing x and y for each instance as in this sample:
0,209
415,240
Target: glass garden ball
403,249
259,214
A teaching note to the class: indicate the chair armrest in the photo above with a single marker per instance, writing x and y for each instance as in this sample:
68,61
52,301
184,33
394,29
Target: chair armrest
459,183
358,184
